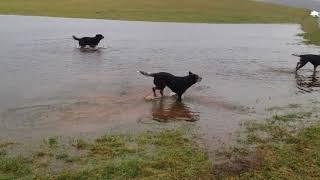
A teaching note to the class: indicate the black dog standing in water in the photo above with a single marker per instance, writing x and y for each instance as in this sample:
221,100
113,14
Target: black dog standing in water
89,41
305,58
177,84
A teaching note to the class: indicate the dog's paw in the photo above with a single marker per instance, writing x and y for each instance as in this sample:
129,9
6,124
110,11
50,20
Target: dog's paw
149,98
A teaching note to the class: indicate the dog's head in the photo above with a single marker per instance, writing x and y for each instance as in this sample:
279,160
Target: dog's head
99,36
196,78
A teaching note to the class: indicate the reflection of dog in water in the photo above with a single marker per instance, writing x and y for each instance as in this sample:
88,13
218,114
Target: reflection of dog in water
89,41
305,58
307,83
177,84
163,111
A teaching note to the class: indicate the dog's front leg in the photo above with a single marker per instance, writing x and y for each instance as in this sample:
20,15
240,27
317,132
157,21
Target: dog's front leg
298,63
161,92
154,92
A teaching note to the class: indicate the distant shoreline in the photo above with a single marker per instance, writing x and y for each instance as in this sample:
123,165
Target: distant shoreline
191,11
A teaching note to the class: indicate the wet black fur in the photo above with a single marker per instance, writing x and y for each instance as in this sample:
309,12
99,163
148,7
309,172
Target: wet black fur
89,41
305,58
177,84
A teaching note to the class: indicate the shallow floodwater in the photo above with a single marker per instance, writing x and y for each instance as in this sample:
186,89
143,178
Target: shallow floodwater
50,87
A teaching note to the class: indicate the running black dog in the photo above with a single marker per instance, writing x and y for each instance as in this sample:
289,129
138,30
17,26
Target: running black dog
90,41
177,84
305,58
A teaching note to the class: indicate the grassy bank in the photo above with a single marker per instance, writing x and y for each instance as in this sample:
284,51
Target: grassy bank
282,147
215,11
312,31
202,11
169,154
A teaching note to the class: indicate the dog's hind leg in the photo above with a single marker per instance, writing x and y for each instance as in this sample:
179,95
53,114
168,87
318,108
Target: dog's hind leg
315,68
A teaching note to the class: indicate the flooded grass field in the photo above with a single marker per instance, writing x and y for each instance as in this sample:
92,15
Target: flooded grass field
49,87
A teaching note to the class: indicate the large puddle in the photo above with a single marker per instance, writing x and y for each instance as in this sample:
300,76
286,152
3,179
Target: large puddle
50,87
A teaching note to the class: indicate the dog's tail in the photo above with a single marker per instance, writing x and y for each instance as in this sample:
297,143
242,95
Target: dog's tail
296,55
146,73
75,38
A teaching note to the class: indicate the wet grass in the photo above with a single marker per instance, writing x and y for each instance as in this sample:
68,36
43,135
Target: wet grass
169,154
281,147
14,167
80,144
291,116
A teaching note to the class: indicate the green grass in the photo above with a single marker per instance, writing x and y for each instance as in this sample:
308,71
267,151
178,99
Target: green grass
210,11
311,28
279,148
14,167
169,154
196,11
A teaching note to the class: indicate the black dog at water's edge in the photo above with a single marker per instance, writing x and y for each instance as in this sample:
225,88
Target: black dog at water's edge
305,58
177,84
89,41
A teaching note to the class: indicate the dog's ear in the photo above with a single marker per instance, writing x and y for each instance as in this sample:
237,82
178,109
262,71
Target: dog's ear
190,73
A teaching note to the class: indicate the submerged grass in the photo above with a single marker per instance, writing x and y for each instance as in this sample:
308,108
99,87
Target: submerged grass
282,108
169,154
